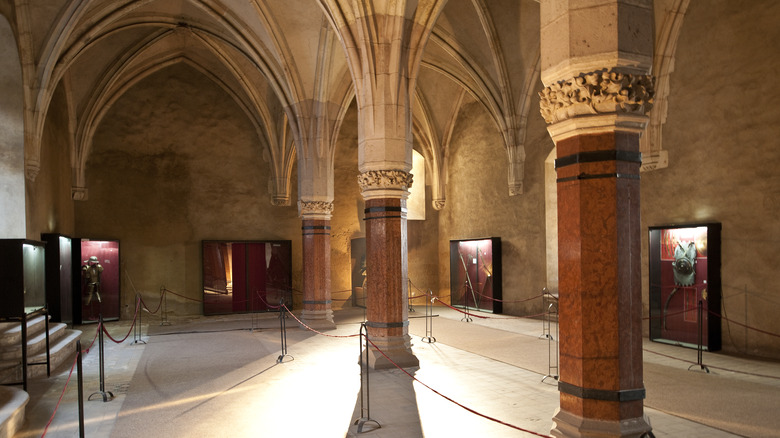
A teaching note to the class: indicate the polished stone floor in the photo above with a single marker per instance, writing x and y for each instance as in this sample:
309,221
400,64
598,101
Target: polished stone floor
220,377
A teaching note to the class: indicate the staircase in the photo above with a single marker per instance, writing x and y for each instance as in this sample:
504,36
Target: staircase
61,348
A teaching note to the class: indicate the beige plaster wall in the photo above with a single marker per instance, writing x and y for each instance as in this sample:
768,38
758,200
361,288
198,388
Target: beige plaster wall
49,204
478,204
722,138
175,162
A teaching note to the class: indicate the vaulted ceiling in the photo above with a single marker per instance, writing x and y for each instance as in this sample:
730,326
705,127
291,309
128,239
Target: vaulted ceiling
281,63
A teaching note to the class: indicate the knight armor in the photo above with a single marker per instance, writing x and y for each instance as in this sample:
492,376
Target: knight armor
684,266
92,270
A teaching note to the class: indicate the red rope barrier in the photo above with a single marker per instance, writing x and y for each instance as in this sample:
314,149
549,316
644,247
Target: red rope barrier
315,331
158,304
100,324
182,296
135,318
744,325
451,400
46,429
712,366
453,308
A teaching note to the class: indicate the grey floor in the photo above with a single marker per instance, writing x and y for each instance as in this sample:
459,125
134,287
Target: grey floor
219,377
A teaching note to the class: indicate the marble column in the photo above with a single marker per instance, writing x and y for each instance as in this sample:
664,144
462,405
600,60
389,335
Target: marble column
317,310
595,62
387,292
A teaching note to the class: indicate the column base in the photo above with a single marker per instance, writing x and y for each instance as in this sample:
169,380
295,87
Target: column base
318,319
567,425
397,348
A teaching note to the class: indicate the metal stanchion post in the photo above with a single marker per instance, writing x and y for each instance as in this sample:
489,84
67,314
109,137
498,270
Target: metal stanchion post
282,330
164,304
365,406
552,343
137,330
80,380
700,348
429,319
411,296
107,395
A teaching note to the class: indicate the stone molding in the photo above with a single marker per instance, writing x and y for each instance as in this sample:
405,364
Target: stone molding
315,209
596,93
385,184
79,193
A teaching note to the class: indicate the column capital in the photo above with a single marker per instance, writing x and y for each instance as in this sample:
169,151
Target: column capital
597,102
322,210
376,184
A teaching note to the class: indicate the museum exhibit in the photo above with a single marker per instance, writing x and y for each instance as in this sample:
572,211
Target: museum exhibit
685,285
475,267
482,192
246,276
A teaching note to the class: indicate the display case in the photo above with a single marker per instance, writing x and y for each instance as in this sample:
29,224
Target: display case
59,277
358,263
475,274
685,287
246,276
22,277
96,280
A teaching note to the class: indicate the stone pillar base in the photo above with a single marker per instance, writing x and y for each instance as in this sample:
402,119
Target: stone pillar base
566,424
318,319
398,348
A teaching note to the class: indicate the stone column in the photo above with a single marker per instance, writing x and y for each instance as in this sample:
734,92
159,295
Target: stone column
317,311
385,192
595,62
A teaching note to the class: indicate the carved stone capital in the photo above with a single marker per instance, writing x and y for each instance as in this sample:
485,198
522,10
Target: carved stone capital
438,204
79,193
315,209
31,169
385,183
597,93
280,201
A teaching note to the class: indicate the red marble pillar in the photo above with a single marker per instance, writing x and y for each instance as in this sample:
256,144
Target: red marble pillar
317,311
386,273
601,389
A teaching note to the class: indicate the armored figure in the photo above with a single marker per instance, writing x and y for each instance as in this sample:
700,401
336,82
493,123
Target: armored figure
91,271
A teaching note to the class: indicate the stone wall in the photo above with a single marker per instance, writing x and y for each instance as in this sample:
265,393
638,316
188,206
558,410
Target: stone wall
721,135
175,162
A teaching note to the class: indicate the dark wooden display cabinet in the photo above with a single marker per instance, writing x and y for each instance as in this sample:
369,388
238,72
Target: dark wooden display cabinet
23,293
475,274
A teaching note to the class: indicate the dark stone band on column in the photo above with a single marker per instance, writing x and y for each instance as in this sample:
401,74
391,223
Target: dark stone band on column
382,209
597,156
316,227
387,324
584,176
624,395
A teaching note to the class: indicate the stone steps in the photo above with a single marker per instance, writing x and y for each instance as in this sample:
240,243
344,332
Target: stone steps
62,348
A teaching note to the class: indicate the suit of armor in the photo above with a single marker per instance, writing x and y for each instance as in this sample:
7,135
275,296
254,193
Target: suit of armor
91,271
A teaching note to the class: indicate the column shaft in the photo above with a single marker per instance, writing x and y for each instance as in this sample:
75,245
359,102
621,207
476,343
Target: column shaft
317,310
601,389
386,274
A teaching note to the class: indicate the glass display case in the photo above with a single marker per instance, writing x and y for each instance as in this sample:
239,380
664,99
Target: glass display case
96,280
685,288
59,277
22,277
246,276
475,274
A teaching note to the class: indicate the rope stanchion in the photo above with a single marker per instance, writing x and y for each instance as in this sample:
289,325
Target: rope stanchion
451,400
164,306
699,347
365,400
552,342
106,395
429,319
283,331
138,328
